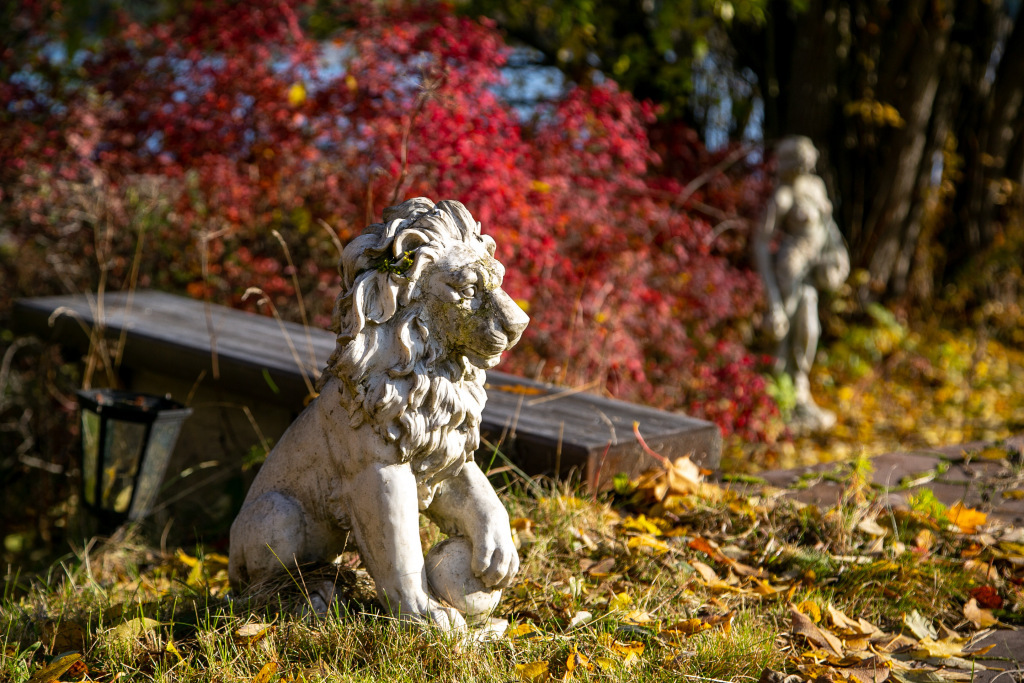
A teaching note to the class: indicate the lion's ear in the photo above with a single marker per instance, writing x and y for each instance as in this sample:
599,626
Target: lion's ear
376,297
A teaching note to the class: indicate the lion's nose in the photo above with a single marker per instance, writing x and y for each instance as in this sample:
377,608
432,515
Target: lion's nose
513,320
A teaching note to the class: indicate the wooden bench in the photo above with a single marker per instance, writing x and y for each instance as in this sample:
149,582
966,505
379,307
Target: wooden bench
218,357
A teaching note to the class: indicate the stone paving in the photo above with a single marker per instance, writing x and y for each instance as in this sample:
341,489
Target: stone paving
985,476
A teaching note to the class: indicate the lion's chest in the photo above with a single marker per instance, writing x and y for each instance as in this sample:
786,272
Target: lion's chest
453,448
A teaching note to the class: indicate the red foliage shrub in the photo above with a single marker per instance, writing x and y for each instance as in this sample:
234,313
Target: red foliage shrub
207,132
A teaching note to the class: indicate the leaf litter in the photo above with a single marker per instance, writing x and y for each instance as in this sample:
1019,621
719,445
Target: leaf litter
665,575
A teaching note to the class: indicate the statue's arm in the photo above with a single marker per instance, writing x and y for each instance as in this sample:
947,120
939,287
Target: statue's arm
467,505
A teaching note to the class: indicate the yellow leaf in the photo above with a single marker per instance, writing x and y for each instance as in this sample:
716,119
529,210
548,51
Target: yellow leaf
296,94
521,524
1015,494
640,524
993,453
351,83
185,558
924,540
636,616
620,602
576,660
534,671
629,652
250,633
948,647
811,609
133,628
55,669
1012,549
686,627
170,647
764,588
540,186
842,622
525,630
645,541
967,519
268,670
981,618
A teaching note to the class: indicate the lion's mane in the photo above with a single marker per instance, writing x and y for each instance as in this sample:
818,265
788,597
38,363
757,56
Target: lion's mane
396,375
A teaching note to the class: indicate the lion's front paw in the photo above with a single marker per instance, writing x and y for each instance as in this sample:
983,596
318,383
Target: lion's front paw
446,618
432,612
495,559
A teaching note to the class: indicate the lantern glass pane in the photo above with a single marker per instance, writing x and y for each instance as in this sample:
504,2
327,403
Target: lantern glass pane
161,442
122,452
90,447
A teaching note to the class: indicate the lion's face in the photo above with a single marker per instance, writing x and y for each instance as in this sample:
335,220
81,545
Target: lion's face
472,315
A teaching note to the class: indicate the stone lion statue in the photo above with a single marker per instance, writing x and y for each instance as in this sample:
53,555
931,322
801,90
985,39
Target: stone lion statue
420,317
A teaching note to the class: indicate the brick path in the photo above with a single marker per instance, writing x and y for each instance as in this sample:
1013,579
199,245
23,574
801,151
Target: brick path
971,473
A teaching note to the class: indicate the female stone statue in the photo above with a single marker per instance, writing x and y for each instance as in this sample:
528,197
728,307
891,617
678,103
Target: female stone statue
810,254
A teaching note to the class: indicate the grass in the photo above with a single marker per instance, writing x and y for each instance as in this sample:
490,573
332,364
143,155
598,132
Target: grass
611,588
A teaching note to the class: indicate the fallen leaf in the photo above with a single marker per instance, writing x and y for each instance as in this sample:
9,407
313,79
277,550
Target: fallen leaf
966,519
872,528
581,617
636,616
684,628
819,637
629,652
251,633
844,623
811,609
981,618
620,602
600,568
706,572
520,389
641,524
534,671
576,660
993,453
525,630
704,546
645,541
57,668
924,540
919,626
521,524
987,597
268,670
949,647
133,628
63,636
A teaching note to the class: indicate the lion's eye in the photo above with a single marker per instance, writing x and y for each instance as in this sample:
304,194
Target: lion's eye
468,292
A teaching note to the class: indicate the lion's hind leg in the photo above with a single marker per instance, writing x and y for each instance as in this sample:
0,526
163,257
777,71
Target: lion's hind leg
267,537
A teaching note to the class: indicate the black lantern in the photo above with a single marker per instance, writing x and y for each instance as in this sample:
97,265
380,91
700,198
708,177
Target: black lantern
127,440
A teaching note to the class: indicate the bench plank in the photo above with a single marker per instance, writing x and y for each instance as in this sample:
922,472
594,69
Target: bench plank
542,428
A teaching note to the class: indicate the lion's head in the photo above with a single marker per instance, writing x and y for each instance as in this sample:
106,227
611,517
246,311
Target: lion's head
421,314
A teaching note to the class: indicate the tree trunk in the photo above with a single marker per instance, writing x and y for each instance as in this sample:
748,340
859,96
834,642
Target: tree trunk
991,144
839,71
